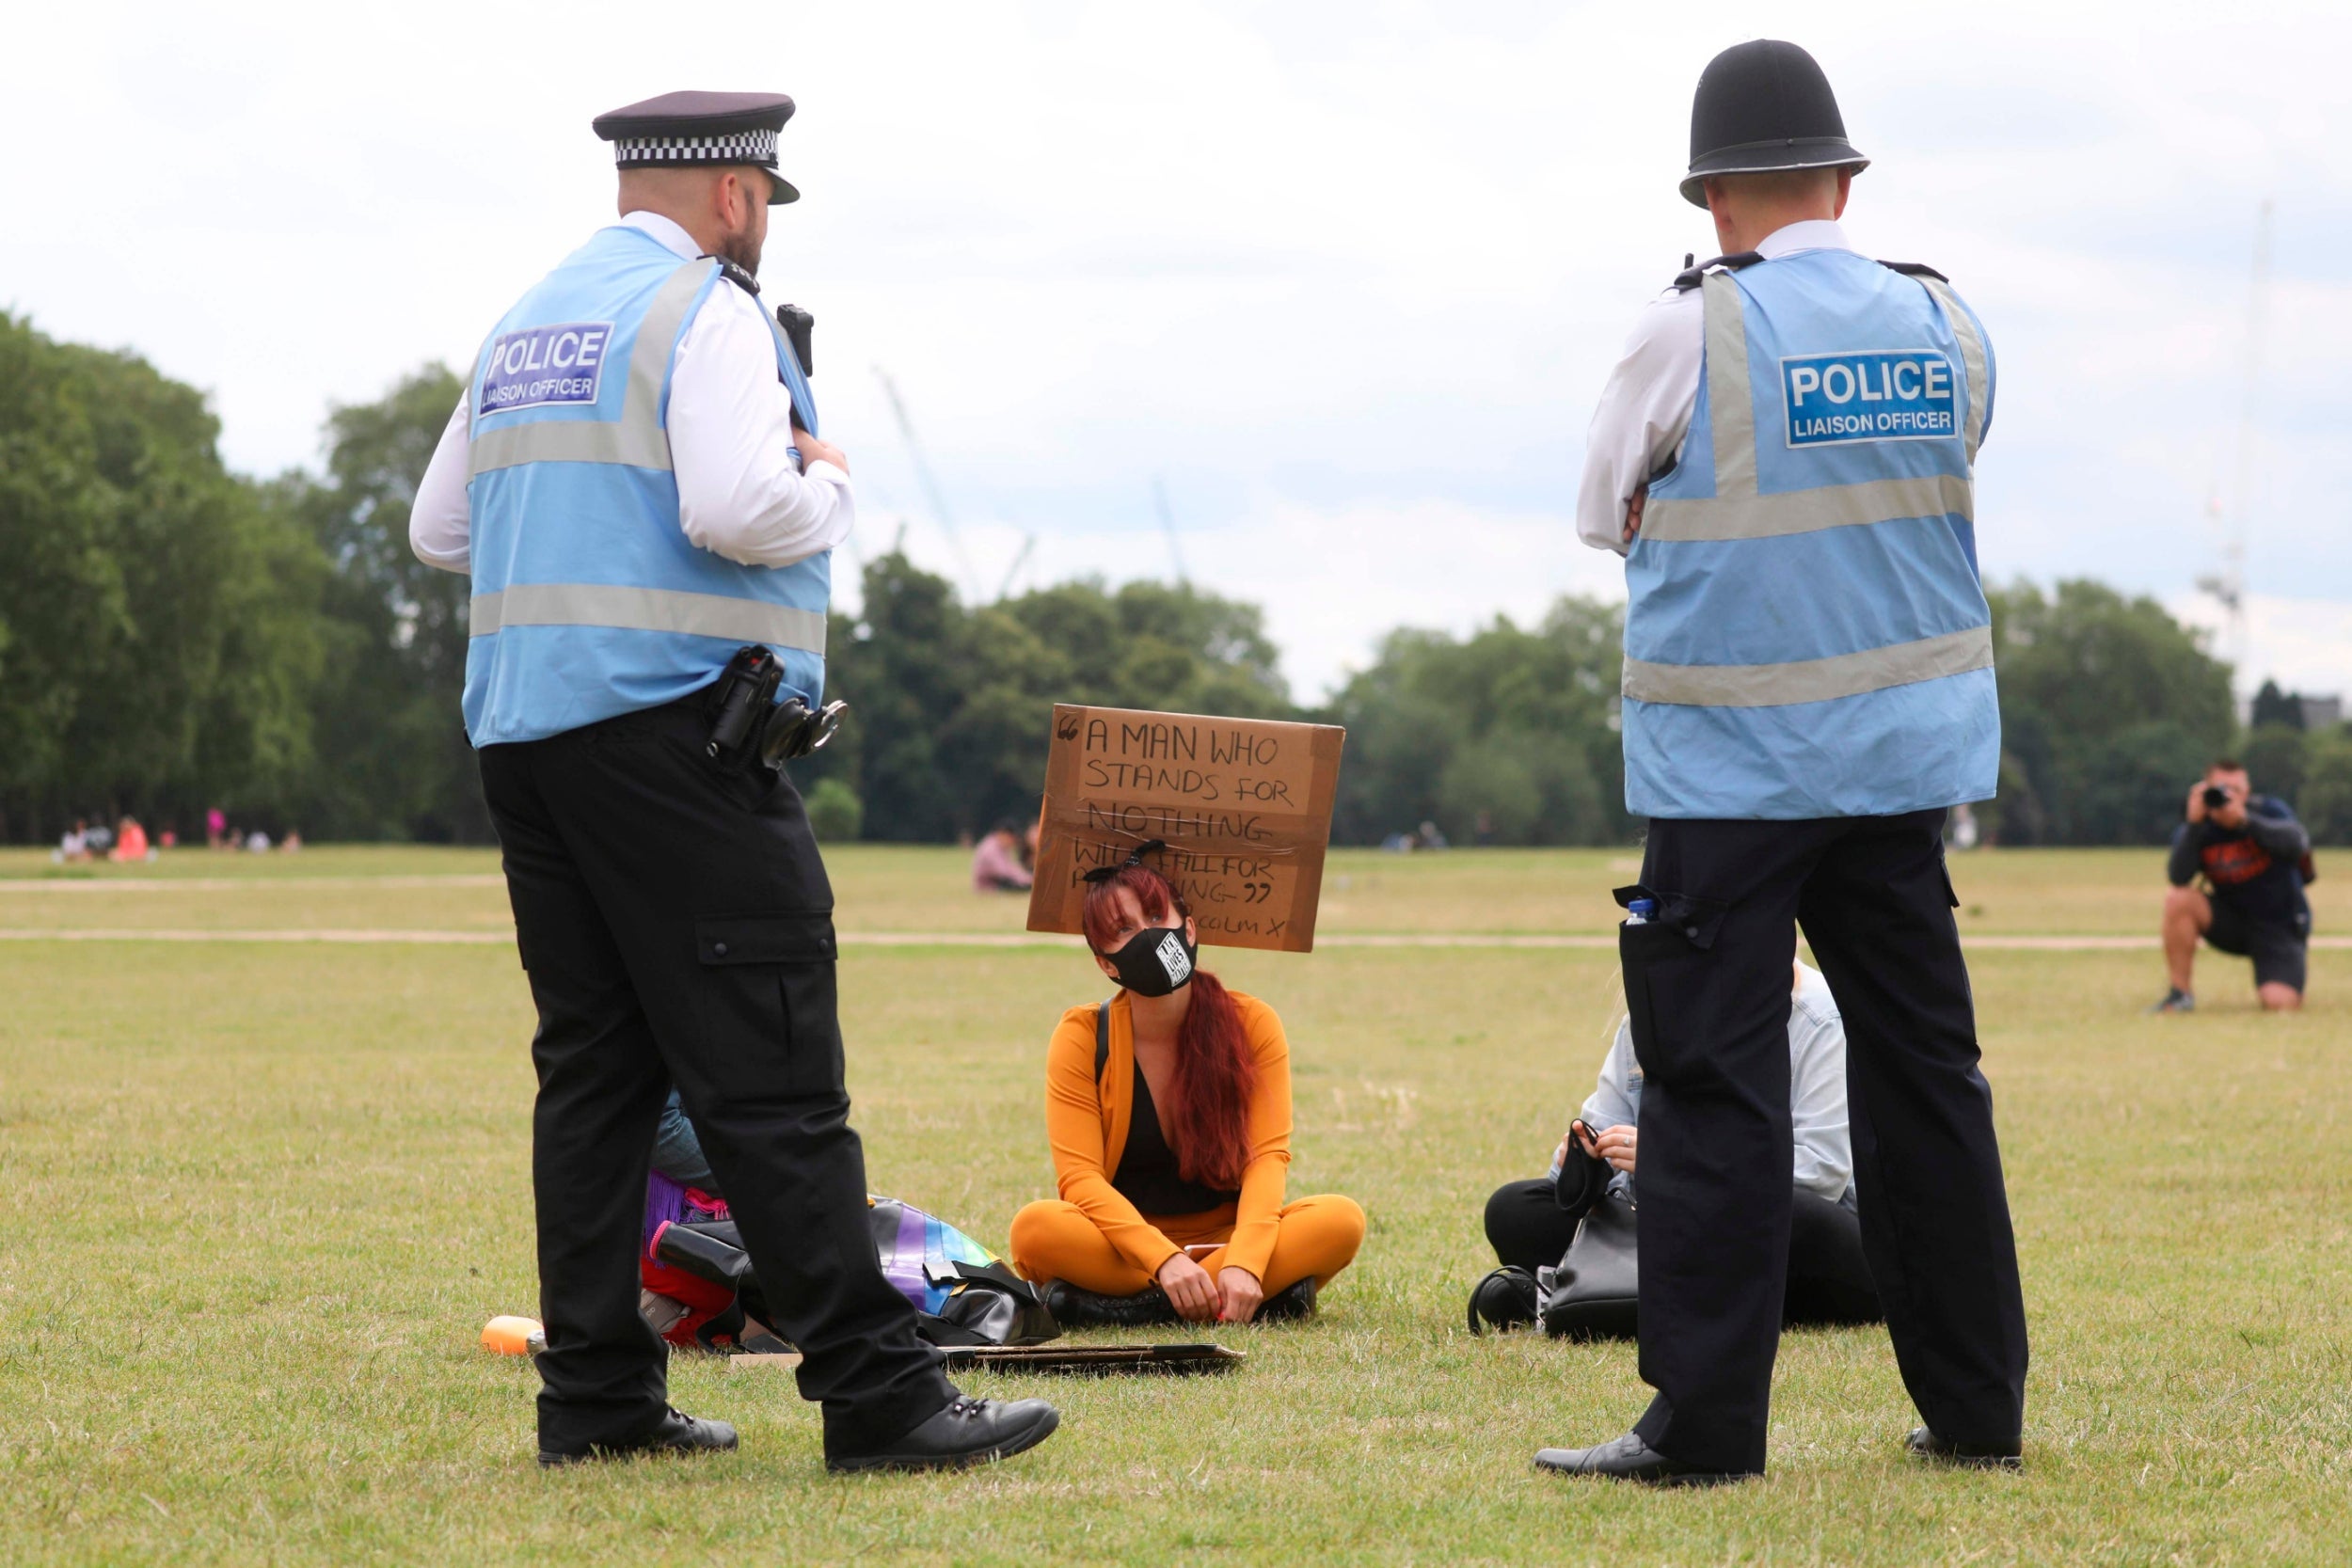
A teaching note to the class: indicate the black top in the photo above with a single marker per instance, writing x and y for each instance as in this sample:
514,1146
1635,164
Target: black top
2256,869
1147,1176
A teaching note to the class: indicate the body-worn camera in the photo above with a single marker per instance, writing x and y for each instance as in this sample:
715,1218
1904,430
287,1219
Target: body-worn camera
748,723
2215,797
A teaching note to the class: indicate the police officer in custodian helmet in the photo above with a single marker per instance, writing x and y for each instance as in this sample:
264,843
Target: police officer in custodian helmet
1784,456
635,485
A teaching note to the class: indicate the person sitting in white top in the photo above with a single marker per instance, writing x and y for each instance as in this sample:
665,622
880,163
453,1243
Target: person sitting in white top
1531,1223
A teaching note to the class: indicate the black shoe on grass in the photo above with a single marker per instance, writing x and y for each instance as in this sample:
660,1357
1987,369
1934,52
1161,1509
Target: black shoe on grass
968,1432
675,1432
1629,1458
1289,1304
2175,1001
1075,1308
1928,1447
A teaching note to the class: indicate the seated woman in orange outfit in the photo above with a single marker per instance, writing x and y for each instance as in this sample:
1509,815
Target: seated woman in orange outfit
1168,1108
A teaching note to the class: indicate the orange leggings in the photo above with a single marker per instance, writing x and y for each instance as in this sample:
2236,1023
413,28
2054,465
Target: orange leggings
1053,1240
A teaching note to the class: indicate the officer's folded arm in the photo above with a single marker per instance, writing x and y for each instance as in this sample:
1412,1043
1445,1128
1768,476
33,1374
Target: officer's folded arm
1641,420
440,528
740,492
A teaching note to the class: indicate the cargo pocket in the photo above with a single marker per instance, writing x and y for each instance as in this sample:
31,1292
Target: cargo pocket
768,989
1666,965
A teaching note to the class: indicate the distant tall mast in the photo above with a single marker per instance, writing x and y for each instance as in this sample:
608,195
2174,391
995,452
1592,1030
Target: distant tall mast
2228,586
1168,524
931,482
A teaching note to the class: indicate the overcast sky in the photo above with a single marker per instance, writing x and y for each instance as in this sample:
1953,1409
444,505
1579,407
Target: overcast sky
1346,278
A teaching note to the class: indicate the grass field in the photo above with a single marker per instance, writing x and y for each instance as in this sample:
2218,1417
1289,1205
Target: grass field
263,1195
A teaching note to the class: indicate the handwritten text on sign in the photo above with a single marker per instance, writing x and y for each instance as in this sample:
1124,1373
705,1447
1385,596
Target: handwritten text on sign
1243,805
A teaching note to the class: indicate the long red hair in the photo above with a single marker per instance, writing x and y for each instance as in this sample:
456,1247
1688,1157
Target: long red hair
1207,1120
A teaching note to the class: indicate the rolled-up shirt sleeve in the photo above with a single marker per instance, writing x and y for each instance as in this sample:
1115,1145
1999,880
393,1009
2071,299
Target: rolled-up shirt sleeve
1817,1103
440,521
1642,415
741,491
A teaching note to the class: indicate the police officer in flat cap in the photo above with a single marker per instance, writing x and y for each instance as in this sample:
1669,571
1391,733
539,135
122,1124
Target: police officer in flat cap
1784,458
635,483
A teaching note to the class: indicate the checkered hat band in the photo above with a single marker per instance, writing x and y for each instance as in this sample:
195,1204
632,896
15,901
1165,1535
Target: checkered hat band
735,147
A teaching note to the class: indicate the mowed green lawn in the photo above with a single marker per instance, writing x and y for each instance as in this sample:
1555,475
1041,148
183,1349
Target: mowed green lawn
262,1197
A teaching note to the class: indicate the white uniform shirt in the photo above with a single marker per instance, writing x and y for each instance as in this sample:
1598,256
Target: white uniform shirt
1646,410
1816,1089
740,491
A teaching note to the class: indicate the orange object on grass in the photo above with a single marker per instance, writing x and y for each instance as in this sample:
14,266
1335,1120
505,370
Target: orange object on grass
513,1336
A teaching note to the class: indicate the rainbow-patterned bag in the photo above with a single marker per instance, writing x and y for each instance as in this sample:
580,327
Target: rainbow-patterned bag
962,1294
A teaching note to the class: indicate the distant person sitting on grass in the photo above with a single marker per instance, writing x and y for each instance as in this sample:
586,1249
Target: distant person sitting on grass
1529,1224
997,862
2253,858
1168,1109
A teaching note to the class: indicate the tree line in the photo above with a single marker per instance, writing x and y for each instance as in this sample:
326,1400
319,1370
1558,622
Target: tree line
176,637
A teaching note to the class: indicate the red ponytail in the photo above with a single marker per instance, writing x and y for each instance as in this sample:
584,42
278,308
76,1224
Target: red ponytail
1207,1123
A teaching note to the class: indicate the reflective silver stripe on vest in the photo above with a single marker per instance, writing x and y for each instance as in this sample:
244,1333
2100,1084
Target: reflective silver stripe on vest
1809,680
1730,399
636,438
1971,356
1688,518
588,604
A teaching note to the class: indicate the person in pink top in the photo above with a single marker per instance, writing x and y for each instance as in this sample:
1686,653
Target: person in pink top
998,864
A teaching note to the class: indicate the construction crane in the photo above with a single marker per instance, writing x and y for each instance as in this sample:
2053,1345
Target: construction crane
1021,558
2228,585
930,481
1168,524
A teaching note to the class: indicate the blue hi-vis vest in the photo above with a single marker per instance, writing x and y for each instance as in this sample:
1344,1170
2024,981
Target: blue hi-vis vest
589,601
1805,634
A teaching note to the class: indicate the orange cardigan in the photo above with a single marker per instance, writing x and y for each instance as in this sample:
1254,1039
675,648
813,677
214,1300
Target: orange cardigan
1086,1124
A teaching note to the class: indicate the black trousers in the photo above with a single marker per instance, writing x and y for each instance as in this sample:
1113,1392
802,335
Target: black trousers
677,925
1706,984
1829,1279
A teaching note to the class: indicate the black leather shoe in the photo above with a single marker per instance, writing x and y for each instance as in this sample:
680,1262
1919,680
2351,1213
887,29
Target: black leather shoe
968,1432
1926,1446
1075,1308
1629,1458
1288,1304
677,1432
1504,1300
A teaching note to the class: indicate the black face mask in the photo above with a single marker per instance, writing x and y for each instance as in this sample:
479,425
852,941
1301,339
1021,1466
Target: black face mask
1156,961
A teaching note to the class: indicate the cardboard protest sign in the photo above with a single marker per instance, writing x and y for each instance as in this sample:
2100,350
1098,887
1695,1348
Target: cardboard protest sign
1244,806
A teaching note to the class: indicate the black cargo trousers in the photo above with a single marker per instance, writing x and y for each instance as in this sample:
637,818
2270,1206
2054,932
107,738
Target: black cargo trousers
1706,984
677,925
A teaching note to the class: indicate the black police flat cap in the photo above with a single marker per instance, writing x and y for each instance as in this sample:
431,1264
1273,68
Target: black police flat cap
1761,106
701,129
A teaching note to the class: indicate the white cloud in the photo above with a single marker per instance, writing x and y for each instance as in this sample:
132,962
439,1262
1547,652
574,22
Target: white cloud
1349,277
2304,644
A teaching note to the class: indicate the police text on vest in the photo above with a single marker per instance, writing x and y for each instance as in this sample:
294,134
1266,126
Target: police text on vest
542,365
1876,395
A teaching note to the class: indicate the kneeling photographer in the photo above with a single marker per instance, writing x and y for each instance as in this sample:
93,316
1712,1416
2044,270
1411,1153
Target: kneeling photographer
2253,858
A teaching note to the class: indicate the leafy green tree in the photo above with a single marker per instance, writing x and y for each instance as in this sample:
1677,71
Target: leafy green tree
2275,758
2099,693
2274,707
1508,736
2325,803
156,640
951,706
392,757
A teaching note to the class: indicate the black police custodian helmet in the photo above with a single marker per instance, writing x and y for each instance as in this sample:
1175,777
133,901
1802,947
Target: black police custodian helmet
701,129
1761,106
